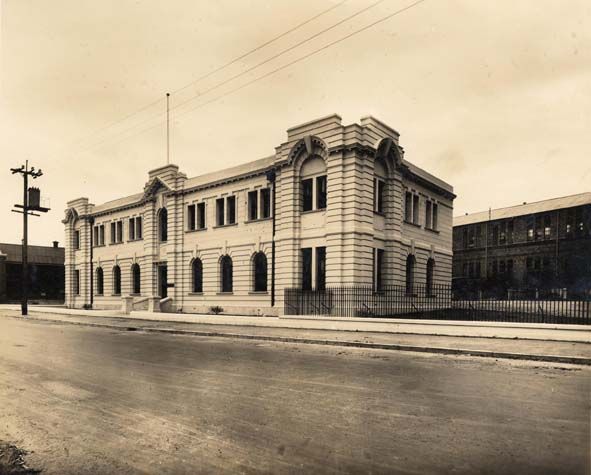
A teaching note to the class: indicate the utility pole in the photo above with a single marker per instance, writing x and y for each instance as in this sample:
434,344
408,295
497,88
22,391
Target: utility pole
31,202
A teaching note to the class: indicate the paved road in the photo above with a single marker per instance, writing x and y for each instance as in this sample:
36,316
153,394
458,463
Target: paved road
90,401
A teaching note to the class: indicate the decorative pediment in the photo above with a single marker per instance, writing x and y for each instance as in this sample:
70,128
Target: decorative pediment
71,216
307,146
389,152
154,186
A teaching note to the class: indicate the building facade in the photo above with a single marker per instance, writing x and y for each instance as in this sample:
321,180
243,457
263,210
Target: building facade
335,205
542,245
46,273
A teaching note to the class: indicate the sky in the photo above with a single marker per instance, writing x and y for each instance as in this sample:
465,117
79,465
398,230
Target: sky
492,97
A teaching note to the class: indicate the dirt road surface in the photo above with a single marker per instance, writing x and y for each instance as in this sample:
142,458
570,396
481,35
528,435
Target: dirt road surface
98,401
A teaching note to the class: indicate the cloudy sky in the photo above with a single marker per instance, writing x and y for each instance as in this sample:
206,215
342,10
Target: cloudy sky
493,97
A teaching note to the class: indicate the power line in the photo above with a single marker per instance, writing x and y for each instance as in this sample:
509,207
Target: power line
236,76
302,58
216,70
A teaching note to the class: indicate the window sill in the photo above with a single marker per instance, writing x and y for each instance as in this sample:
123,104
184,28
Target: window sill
431,230
225,293
258,292
99,295
379,213
225,225
135,240
312,211
195,293
258,220
115,295
135,295
115,243
412,224
99,245
196,230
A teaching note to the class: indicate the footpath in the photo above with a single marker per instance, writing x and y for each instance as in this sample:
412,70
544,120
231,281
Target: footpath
525,341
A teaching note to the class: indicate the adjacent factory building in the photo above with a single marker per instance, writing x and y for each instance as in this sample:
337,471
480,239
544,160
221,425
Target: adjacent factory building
541,245
334,205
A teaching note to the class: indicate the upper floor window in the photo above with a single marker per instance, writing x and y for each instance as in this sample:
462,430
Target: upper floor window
76,239
98,235
116,232
135,228
225,210
259,204
196,216
314,185
163,225
547,226
431,215
379,186
411,207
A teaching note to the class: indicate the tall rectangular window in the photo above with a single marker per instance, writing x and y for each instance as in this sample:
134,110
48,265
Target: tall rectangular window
321,192
408,206
191,221
547,227
113,233
101,235
378,266
119,231
231,203
415,209
201,215
138,227
131,229
435,222
76,239
379,190
253,205
307,196
307,268
95,236
265,202
76,282
219,207
321,268
428,214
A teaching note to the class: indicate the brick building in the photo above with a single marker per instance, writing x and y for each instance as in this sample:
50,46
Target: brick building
543,245
333,205
46,273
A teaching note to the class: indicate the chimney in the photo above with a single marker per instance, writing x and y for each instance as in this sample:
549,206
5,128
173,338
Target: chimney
55,243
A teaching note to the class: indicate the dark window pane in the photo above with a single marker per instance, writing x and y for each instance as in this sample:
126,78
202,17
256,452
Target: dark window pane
307,268
321,268
252,205
219,206
307,194
131,230
138,228
408,206
260,272
197,276
266,202
410,274
380,269
201,215
435,217
191,217
163,223
226,271
99,281
116,280
136,278
381,196
321,192
231,209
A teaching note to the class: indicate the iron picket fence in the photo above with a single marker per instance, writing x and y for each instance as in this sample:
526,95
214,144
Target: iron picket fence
436,302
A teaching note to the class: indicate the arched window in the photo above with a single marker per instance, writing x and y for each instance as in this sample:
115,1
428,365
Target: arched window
313,184
226,274
100,281
410,274
163,225
136,279
260,272
197,275
430,270
116,280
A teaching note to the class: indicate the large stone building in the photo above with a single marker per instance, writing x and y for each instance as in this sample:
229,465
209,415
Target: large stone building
334,205
46,273
541,245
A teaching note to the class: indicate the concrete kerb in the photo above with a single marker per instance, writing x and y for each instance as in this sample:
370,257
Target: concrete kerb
576,360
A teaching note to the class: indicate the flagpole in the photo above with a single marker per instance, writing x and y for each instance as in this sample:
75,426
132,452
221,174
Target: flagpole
168,128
